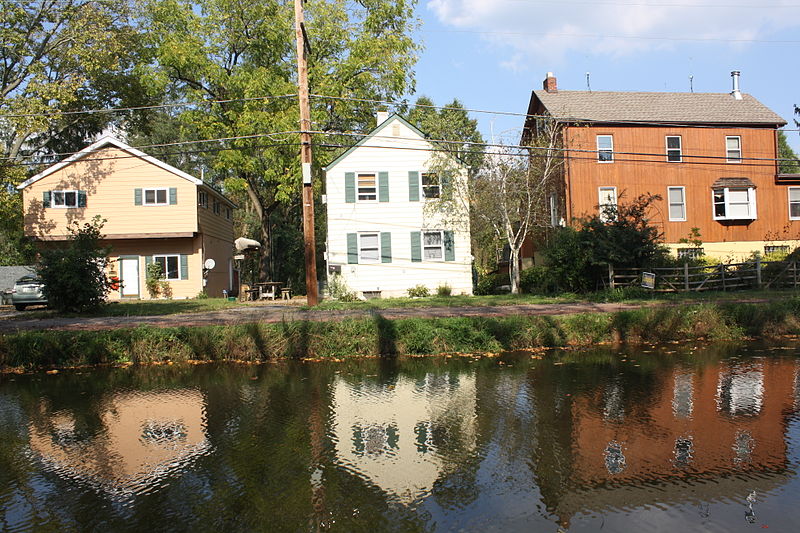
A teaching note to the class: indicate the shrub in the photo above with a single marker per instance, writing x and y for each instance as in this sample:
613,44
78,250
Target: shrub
74,275
419,291
152,280
488,283
337,289
444,290
535,280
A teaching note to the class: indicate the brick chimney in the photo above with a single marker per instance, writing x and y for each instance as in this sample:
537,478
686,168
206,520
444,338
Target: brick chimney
549,83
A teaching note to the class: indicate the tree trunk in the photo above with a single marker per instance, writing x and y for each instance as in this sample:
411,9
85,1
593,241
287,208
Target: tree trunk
513,270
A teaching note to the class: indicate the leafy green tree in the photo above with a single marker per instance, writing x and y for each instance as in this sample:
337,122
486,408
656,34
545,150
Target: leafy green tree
74,274
241,55
789,163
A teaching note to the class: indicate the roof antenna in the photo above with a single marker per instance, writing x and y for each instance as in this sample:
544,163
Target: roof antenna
691,83
588,86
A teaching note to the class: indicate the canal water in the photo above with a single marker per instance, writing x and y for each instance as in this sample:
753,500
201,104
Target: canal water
676,438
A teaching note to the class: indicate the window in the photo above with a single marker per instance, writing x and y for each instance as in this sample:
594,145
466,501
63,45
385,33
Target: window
170,266
228,213
794,203
607,201
733,149
605,148
367,188
734,203
674,149
432,246
368,248
677,203
553,209
202,199
216,206
430,185
155,197
65,199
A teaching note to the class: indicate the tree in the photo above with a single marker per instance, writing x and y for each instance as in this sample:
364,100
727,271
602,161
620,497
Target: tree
240,55
788,159
74,274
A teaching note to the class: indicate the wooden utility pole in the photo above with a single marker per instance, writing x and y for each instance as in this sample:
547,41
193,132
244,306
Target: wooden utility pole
312,295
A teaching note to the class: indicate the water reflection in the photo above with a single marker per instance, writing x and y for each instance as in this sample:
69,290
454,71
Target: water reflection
578,441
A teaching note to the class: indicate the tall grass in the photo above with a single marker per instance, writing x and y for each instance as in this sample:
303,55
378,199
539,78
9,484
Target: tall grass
378,336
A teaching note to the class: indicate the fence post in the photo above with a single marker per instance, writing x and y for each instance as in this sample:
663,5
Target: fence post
686,277
758,272
794,274
722,270
611,276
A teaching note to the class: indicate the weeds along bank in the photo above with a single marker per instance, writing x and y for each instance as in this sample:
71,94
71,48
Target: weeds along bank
379,336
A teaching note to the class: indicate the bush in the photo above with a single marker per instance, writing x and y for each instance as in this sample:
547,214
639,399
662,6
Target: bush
420,291
444,290
337,289
488,283
74,274
535,280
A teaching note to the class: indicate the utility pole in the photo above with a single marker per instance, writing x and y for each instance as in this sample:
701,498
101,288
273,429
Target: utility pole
312,295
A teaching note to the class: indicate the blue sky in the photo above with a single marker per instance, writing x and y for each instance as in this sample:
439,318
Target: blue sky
490,54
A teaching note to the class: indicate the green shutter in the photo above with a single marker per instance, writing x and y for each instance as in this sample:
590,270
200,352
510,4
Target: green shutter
137,196
383,186
352,248
46,199
449,246
386,247
416,247
413,186
173,196
81,198
446,184
350,187
184,266
148,260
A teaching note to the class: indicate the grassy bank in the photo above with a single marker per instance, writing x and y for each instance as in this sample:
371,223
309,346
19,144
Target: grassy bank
379,336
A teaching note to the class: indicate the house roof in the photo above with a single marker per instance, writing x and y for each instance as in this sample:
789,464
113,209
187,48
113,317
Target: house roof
102,143
677,108
373,133
733,182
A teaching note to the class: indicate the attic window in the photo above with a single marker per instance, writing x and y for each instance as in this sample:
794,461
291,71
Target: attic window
395,130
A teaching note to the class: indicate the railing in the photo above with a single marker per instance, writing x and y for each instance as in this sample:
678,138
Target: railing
723,277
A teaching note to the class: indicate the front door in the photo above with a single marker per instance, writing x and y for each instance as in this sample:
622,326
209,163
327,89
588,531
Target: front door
129,279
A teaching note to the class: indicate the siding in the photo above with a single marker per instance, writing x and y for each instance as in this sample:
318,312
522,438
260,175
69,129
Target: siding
398,216
110,176
212,224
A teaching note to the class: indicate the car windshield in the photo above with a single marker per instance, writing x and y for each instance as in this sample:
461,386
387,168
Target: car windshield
28,279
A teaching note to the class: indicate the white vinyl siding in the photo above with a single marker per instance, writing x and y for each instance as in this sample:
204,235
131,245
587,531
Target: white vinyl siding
676,196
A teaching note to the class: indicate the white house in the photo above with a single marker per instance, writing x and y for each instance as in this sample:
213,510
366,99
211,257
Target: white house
381,239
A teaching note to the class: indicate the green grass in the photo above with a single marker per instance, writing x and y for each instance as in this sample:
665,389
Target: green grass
143,308
378,336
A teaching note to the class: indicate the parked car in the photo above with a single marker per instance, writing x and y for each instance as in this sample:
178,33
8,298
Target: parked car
28,291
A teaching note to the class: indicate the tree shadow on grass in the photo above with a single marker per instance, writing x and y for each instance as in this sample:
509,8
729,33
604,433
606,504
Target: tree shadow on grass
387,336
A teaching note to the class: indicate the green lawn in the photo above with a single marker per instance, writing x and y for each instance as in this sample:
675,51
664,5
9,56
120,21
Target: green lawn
144,308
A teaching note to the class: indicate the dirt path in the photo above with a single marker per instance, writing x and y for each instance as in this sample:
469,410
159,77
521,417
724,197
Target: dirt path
267,314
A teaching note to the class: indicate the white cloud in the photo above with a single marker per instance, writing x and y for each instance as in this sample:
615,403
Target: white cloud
548,29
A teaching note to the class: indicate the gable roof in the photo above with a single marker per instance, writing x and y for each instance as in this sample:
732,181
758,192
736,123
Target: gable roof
102,143
371,134
676,108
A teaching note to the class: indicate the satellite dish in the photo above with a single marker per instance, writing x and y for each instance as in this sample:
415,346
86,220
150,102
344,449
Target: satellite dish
209,264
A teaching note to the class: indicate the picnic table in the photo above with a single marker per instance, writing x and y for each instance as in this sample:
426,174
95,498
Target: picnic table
266,290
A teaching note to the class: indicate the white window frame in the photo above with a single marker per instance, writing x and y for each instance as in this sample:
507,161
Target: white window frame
166,265
359,194
438,185
155,197
361,258
64,193
670,203
728,151
600,203
440,247
789,195
609,151
751,201
679,149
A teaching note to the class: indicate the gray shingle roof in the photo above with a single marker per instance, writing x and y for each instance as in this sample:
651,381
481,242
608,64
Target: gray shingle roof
678,108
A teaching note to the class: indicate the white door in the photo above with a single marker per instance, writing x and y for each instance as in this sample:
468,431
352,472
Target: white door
129,276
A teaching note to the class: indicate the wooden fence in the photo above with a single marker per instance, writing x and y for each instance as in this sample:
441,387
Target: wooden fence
723,277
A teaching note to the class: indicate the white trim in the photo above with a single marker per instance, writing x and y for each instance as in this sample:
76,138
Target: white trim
669,203
156,203
789,195
367,173
441,246
600,190
597,145
422,185
751,200
727,159
100,143
361,259
680,148
166,265
65,206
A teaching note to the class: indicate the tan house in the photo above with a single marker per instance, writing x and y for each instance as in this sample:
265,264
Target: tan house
153,211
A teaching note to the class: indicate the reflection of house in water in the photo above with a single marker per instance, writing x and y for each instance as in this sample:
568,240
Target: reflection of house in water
397,435
136,440
706,435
